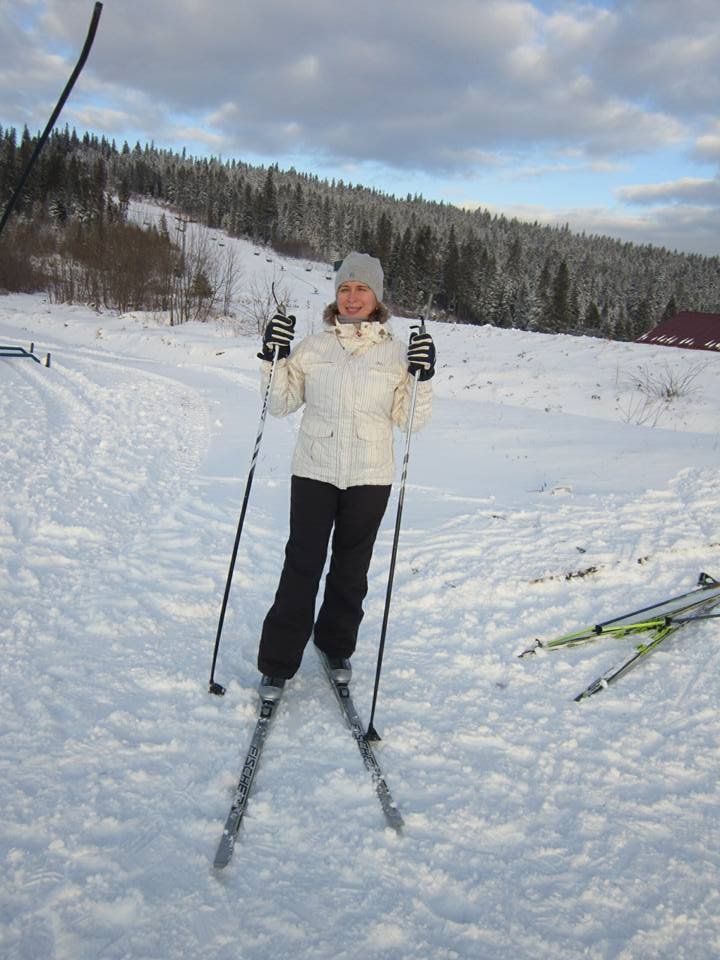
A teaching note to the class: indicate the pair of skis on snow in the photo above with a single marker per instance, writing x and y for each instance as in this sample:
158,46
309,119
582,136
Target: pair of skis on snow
659,621
265,717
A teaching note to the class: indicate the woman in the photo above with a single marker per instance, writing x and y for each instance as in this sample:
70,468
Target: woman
355,380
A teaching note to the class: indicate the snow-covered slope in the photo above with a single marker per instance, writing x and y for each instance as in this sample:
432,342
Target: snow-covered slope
547,493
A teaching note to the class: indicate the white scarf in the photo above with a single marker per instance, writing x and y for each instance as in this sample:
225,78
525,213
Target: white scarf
359,337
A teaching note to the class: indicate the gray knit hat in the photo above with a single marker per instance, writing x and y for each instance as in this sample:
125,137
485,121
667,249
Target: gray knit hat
364,269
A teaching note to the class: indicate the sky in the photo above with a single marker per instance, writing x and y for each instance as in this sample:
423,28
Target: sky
604,116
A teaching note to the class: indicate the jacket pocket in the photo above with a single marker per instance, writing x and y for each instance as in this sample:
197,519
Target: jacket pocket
320,377
375,443
314,427
315,439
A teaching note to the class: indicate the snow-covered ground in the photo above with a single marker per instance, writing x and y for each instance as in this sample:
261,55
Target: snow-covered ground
547,493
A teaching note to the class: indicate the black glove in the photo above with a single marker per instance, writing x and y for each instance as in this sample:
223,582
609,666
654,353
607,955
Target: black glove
278,333
421,356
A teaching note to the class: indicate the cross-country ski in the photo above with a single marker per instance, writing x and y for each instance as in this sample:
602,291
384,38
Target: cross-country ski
347,707
655,623
226,846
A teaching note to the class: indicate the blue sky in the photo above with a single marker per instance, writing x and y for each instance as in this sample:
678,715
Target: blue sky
602,115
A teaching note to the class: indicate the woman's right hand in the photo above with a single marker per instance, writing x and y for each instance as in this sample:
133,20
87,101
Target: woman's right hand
278,336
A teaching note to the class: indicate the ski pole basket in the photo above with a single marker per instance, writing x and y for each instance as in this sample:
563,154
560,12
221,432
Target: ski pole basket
9,351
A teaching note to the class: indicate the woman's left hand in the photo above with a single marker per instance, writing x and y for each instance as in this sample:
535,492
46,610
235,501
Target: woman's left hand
421,356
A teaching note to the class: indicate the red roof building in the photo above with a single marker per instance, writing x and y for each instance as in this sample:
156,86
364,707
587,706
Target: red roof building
693,331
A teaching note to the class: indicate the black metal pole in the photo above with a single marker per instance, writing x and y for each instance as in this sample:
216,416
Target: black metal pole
372,733
55,114
213,686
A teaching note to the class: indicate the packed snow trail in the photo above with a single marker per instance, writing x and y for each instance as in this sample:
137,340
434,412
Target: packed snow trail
535,827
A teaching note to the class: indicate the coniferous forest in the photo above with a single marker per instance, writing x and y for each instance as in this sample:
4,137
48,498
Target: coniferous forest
71,236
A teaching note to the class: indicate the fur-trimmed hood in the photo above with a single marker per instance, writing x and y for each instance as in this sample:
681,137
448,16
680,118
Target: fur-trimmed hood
381,314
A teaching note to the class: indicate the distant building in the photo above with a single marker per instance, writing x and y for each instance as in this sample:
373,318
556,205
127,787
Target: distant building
692,331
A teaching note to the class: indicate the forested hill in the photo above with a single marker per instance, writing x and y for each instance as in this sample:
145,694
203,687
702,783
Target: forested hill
491,269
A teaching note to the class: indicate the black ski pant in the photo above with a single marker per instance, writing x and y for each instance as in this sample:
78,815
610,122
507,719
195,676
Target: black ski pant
315,508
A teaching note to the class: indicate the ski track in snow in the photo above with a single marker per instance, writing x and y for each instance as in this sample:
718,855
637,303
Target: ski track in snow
536,827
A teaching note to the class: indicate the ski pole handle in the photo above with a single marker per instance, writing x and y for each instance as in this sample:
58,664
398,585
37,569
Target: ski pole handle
280,306
420,330
424,319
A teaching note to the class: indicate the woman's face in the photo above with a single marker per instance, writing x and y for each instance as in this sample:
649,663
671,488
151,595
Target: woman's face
356,300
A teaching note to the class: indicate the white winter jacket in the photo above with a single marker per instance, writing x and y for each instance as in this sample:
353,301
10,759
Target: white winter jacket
352,399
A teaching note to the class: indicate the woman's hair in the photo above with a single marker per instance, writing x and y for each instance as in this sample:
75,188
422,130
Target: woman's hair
380,314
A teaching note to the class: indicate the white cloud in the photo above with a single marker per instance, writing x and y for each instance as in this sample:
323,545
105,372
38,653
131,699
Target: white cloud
665,54
101,119
448,89
707,145
694,229
686,190
200,135
306,68
477,74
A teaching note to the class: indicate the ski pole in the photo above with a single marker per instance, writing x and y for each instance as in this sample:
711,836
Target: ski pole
213,686
55,114
372,733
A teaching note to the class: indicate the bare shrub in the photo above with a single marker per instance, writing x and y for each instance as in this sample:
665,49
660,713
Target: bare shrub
111,264
25,245
665,382
259,303
228,276
205,278
656,386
